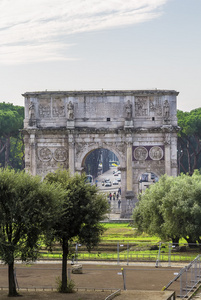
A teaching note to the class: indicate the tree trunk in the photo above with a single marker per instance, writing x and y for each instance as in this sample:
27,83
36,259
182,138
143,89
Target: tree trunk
7,151
175,241
11,281
191,241
64,266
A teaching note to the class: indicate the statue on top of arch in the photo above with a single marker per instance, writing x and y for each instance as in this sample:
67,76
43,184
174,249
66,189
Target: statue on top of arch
128,109
70,111
166,110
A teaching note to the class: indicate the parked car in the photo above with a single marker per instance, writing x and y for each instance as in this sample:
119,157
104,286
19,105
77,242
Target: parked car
115,182
108,183
107,180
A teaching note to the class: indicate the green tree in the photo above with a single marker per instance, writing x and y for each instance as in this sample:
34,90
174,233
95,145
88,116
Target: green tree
27,209
189,140
11,141
83,208
171,208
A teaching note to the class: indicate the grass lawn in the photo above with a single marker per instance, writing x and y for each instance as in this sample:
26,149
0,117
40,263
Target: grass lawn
121,241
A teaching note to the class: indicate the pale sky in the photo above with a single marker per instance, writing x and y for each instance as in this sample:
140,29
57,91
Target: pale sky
92,45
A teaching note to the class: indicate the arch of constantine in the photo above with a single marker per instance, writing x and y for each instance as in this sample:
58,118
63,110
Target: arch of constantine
139,126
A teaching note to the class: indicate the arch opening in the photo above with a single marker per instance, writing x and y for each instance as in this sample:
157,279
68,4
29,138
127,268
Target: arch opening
103,169
146,179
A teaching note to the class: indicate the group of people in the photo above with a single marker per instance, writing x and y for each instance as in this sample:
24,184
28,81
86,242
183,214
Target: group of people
115,196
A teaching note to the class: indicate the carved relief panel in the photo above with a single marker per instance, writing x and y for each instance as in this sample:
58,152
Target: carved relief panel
58,107
50,157
142,153
51,108
155,106
156,153
141,106
44,108
83,148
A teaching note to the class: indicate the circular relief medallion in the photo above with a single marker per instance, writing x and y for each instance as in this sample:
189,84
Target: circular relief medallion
60,154
45,154
156,153
140,153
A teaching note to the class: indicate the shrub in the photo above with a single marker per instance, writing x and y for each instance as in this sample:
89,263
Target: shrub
70,286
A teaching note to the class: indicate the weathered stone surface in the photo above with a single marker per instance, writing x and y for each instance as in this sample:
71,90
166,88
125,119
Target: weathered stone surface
77,269
139,126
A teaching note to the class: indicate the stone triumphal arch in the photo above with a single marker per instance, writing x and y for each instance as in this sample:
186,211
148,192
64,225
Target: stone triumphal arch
139,126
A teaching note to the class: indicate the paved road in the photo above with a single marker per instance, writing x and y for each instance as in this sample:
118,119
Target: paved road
109,174
115,208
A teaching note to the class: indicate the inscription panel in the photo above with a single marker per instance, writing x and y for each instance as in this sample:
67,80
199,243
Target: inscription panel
100,109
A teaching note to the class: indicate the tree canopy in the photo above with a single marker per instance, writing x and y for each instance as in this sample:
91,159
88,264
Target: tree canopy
83,208
171,208
189,140
28,208
11,142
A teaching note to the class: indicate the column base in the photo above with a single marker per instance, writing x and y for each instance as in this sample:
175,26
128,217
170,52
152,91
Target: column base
128,205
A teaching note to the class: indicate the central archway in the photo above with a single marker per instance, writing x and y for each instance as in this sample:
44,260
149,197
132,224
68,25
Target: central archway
89,148
102,167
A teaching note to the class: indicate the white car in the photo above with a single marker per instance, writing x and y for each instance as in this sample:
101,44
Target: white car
107,180
108,183
115,182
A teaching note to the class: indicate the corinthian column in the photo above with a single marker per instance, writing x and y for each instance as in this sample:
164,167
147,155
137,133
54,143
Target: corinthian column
33,153
167,143
129,183
71,147
127,203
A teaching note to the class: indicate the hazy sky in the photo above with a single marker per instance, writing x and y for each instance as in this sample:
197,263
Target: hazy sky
93,44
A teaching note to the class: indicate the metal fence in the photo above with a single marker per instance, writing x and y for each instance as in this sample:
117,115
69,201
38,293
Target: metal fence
189,277
125,257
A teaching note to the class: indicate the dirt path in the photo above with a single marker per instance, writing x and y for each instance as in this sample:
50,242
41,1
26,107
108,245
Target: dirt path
103,277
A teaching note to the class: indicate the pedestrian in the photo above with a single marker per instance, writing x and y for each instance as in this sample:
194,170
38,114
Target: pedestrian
119,203
117,196
110,196
73,258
